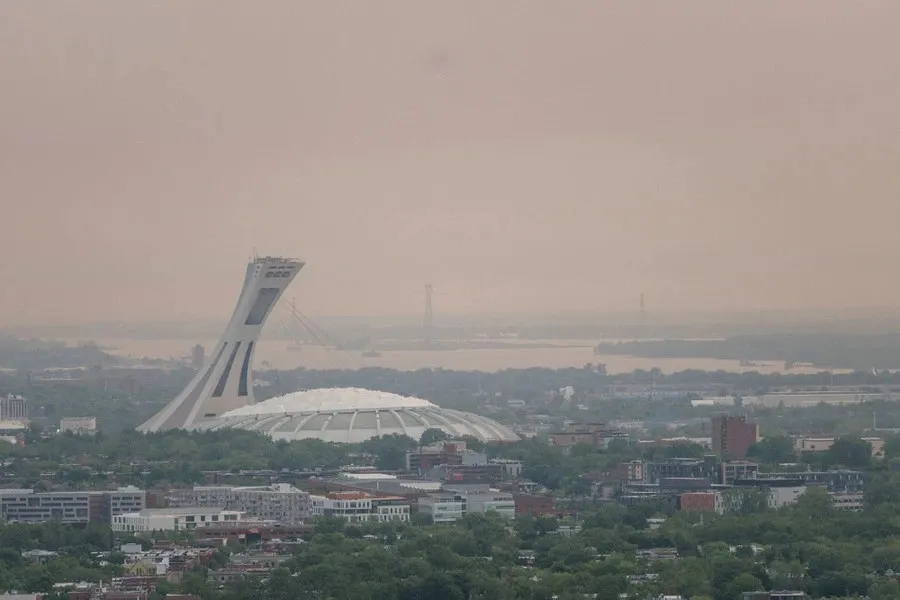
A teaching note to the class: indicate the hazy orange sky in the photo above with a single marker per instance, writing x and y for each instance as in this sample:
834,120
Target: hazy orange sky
520,155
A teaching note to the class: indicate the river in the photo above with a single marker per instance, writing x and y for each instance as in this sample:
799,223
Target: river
281,355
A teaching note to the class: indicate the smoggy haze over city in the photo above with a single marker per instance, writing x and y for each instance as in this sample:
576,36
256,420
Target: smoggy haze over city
522,156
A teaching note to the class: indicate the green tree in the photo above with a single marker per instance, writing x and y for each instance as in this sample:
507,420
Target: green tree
280,585
884,588
882,488
849,451
390,450
745,582
686,577
432,436
773,450
195,583
814,503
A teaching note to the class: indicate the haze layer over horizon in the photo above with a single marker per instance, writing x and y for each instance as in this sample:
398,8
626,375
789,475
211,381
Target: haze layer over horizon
523,156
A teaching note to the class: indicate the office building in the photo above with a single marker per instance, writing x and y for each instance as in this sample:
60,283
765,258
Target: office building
27,506
443,507
450,505
123,500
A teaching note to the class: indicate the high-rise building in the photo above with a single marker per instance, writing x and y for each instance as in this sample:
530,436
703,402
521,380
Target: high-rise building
226,381
733,436
198,356
13,408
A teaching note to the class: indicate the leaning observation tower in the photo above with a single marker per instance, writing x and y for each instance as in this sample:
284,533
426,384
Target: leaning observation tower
226,380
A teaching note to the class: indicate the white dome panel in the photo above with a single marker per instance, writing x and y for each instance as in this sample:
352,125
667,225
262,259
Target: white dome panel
352,415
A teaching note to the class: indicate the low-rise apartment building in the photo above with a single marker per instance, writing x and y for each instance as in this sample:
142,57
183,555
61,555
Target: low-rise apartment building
279,502
173,519
849,501
358,507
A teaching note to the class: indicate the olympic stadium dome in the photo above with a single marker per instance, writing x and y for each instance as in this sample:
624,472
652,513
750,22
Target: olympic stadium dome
350,415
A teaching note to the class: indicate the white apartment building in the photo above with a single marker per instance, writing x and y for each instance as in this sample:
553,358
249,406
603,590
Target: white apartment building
358,507
279,502
173,519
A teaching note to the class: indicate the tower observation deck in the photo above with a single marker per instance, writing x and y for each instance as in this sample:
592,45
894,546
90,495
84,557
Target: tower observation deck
225,381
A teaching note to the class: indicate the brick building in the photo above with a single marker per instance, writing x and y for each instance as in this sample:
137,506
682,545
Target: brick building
597,435
702,502
733,436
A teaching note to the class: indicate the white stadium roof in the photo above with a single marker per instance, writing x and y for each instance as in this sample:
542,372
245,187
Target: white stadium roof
350,415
